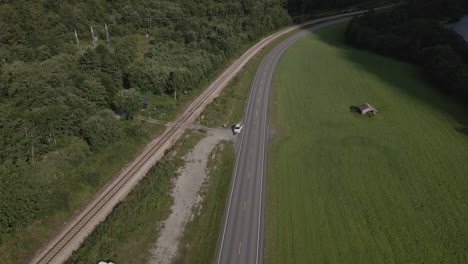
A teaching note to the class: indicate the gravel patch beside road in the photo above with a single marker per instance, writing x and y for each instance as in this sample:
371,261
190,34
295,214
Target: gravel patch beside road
185,193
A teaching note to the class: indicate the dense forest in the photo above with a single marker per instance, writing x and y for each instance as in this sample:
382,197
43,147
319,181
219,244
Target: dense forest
60,93
301,7
414,32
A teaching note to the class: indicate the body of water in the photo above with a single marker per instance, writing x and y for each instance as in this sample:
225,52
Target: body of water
461,27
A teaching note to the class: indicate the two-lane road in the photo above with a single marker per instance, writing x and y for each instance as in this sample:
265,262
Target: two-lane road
242,234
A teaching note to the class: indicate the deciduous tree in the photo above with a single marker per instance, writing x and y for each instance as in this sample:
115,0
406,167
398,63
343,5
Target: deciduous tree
128,101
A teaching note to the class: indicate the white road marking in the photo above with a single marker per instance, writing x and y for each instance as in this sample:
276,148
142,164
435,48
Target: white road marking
234,181
263,145
230,200
261,188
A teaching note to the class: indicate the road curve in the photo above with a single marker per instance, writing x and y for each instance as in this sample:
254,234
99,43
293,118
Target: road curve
242,235
74,232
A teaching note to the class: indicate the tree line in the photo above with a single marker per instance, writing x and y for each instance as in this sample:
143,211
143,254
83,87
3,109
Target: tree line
303,8
414,32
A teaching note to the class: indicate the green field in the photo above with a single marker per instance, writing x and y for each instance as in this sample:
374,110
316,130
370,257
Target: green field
344,188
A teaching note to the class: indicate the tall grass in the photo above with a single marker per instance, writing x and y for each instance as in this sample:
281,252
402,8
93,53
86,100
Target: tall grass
132,229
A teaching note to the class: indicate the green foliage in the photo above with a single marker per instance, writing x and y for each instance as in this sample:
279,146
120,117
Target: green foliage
91,89
20,199
411,33
135,221
147,75
101,63
128,101
131,230
125,51
100,130
437,9
163,107
44,194
301,7
387,189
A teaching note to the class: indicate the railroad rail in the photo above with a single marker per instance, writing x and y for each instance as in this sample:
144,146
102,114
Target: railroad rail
62,246
56,247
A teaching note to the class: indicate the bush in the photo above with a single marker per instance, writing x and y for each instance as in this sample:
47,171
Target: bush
100,130
128,101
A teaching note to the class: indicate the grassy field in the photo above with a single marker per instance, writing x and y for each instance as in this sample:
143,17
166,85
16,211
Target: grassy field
344,188
198,243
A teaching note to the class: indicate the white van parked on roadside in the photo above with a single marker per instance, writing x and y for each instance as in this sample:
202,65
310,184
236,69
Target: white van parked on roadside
238,128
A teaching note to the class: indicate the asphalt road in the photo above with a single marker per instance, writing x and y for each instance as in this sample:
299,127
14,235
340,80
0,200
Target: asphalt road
242,233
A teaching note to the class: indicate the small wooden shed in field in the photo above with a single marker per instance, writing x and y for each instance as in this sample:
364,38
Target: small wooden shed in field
366,108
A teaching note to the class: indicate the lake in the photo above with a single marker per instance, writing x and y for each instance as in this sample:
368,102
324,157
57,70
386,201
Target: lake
461,27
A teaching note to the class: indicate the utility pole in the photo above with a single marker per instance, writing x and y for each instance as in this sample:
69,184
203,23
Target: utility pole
93,38
175,95
77,40
149,24
107,34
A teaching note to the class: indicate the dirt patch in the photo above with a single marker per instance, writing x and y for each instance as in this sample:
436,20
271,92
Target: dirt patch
185,193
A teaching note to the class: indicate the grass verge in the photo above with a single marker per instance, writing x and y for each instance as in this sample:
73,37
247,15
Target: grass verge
228,108
345,188
198,243
131,230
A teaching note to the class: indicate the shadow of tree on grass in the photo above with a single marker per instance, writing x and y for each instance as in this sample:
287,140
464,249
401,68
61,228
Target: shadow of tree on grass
434,97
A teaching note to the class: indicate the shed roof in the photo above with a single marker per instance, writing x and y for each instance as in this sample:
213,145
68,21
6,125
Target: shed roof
366,106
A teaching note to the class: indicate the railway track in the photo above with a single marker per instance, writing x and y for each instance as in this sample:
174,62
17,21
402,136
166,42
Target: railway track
50,254
62,246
